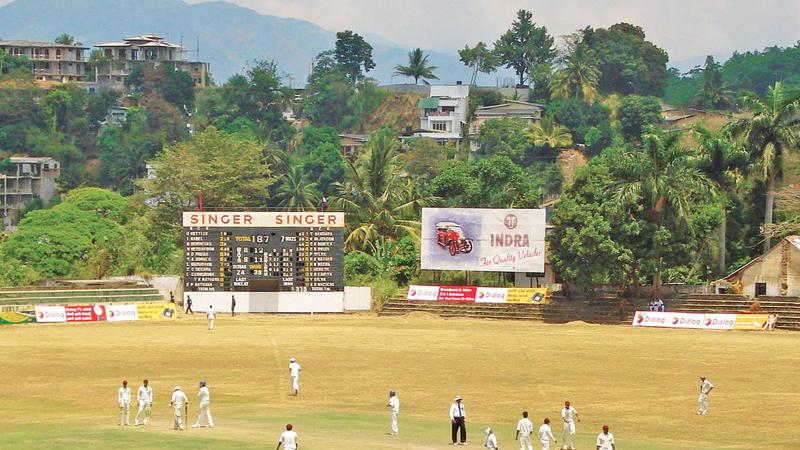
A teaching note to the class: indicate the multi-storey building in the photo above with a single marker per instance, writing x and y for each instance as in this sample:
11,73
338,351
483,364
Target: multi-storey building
150,49
24,179
50,61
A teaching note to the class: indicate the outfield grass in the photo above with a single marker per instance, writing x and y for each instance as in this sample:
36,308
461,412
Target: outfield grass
58,383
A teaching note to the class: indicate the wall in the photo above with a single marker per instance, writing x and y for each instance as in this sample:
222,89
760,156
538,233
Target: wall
269,302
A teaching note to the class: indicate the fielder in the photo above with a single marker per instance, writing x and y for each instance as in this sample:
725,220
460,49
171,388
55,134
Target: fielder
211,316
205,409
524,431
394,407
491,440
178,401
705,389
294,375
568,417
144,397
546,435
605,440
288,439
124,399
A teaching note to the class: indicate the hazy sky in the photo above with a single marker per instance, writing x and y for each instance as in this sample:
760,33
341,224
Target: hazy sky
685,28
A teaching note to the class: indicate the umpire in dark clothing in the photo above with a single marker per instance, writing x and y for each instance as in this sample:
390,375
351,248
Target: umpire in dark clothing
458,417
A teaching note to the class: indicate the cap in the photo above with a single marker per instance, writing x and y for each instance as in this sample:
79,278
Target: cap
202,382
177,388
292,359
458,397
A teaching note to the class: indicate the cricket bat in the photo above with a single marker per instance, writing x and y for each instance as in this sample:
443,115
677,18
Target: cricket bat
186,413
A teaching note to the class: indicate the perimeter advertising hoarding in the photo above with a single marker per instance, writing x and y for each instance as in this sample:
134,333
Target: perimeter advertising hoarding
155,311
489,240
699,321
475,294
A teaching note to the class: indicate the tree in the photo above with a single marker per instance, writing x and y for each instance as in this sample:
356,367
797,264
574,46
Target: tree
628,63
723,161
493,182
663,181
589,124
770,133
636,113
425,158
213,170
479,58
379,202
65,39
353,54
504,136
417,67
578,77
296,191
547,133
524,46
715,93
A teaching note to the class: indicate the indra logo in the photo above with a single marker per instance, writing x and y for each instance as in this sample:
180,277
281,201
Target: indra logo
510,221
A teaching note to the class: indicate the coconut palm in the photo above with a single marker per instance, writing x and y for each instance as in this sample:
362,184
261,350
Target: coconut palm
578,77
769,133
379,202
661,178
296,191
715,92
417,67
547,133
723,161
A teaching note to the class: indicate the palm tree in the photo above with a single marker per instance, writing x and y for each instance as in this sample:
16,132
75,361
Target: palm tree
295,191
547,133
661,178
379,202
769,134
715,92
723,161
417,67
578,77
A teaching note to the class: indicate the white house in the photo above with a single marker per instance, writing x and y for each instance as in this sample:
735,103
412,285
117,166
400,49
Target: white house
775,273
444,115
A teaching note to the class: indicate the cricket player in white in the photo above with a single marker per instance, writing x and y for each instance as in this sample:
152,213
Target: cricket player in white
546,435
124,399
705,389
288,439
394,407
178,400
144,397
294,375
205,409
524,431
211,316
605,440
491,440
568,418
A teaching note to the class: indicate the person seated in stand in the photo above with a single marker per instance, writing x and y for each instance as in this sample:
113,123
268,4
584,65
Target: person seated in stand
659,304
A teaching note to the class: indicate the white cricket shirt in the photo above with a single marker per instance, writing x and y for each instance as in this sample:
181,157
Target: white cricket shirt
144,395
568,414
294,369
525,426
394,404
605,441
457,410
124,395
289,440
211,314
545,434
179,398
705,387
204,395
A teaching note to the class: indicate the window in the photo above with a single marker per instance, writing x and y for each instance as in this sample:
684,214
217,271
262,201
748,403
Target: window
58,53
122,53
135,54
109,53
761,289
448,109
439,126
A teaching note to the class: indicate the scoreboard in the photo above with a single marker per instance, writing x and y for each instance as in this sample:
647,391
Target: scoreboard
263,252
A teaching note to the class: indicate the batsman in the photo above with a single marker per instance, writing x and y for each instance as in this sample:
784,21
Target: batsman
181,404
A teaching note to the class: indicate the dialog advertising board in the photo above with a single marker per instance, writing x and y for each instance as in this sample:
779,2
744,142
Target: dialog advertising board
476,294
489,240
699,321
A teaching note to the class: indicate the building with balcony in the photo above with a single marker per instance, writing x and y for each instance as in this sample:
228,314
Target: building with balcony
444,114
24,179
50,61
150,49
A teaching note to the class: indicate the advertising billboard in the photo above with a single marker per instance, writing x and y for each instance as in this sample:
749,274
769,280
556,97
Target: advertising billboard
477,294
489,240
699,320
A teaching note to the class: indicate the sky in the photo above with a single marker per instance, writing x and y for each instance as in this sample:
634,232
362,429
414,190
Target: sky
685,28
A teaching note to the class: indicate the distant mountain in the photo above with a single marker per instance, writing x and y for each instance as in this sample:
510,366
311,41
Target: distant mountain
230,36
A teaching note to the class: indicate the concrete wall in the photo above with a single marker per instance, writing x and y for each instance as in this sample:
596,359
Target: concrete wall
352,299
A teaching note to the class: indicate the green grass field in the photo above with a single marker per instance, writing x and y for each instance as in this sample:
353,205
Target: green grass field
58,383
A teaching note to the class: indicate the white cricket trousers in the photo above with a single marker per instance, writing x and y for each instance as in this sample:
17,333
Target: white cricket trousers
205,411
143,415
525,442
125,413
210,324
295,383
179,416
702,406
568,434
545,445
395,429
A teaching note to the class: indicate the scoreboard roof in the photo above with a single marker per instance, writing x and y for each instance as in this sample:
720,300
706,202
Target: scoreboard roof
213,219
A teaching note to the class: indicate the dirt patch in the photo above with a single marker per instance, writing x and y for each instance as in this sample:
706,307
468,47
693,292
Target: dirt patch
397,111
569,160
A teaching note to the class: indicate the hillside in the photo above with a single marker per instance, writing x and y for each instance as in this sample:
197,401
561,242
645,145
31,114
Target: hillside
230,36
